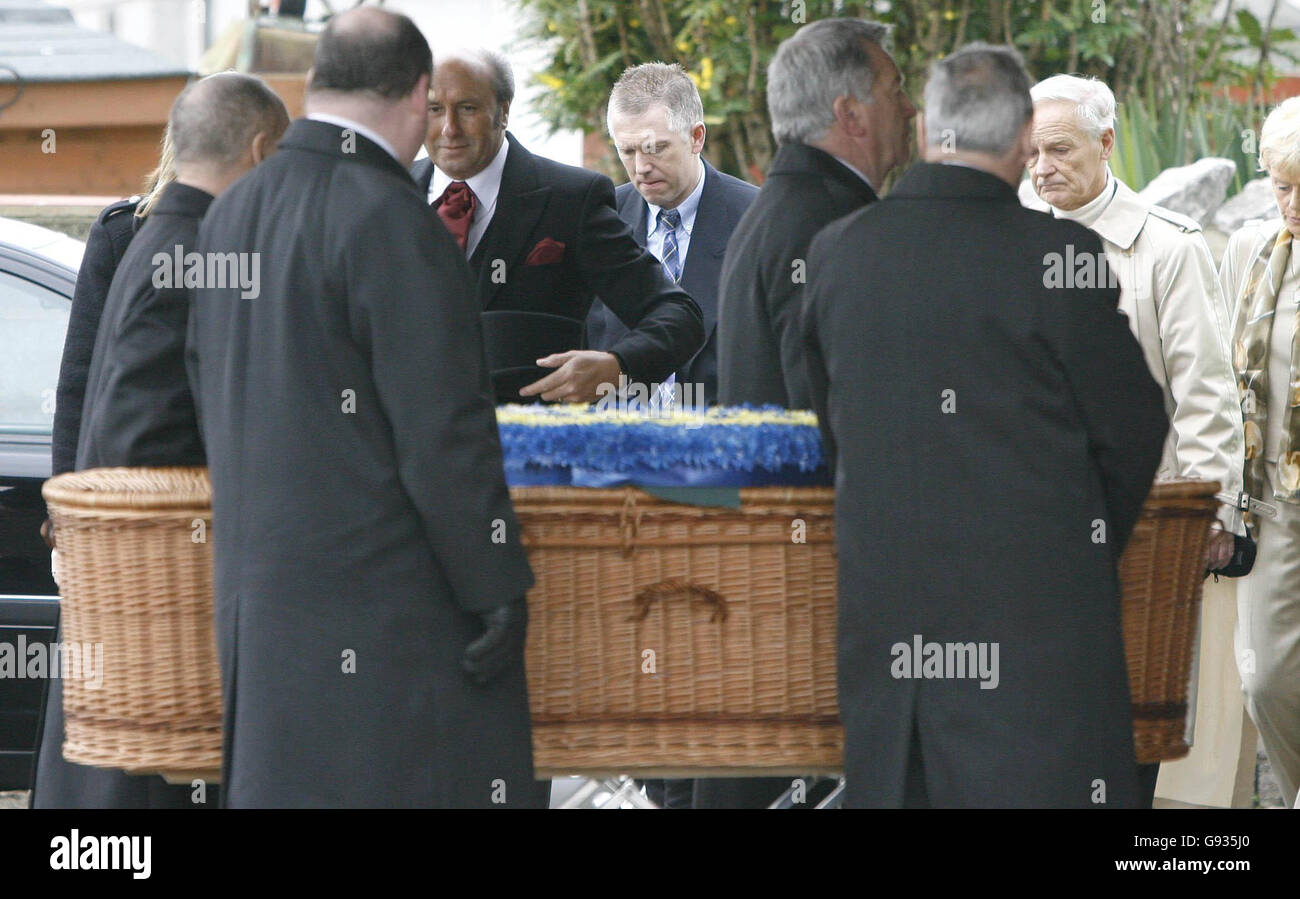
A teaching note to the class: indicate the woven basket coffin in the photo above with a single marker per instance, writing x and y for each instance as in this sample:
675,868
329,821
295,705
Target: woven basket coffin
1162,575
135,558
672,639
664,639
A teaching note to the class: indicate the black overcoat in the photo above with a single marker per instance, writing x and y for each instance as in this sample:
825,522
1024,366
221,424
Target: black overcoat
723,201
760,348
360,510
137,411
996,439
105,245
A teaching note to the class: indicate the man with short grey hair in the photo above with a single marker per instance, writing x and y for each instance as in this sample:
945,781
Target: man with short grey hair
678,206
993,440
841,116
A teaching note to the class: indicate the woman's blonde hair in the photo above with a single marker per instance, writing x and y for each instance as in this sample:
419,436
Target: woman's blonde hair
1279,139
161,176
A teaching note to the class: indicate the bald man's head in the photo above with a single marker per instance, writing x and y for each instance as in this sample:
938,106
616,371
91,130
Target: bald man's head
215,121
373,51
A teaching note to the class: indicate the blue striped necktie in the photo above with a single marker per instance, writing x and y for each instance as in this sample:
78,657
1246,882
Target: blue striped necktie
669,219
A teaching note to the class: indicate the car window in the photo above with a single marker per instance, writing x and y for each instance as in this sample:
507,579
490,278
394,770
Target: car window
33,322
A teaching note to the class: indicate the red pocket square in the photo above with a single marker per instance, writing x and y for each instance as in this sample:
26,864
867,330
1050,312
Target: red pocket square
547,252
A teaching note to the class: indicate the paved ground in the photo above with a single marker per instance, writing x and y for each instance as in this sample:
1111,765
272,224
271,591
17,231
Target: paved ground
1267,793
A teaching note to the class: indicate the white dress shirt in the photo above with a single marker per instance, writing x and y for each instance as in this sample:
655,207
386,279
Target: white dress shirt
687,209
358,128
486,185
857,171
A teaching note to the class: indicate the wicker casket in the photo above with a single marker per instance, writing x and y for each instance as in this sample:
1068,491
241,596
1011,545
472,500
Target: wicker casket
683,626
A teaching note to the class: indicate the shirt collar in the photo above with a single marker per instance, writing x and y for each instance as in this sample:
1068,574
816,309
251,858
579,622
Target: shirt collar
1089,212
368,133
485,185
855,170
686,208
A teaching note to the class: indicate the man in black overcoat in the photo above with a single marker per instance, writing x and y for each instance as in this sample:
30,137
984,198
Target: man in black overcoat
369,577
656,120
137,409
543,239
995,439
841,117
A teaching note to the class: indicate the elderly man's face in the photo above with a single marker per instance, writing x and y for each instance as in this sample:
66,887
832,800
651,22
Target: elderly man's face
1068,165
662,164
890,113
1286,192
465,126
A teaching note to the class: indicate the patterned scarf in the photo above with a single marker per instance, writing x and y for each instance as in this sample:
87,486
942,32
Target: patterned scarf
1256,305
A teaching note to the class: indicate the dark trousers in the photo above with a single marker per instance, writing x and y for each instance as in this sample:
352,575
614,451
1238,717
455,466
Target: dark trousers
1147,775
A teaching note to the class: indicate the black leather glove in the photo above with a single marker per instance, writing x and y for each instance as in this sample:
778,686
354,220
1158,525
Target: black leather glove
504,631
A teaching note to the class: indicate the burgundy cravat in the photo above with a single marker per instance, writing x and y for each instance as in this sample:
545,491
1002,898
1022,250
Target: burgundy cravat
456,209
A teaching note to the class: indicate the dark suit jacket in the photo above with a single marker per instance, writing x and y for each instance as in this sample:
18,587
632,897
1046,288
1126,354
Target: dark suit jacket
760,348
138,408
357,484
723,201
105,245
541,199
988,429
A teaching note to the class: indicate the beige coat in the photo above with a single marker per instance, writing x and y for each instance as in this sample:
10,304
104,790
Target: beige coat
1171,294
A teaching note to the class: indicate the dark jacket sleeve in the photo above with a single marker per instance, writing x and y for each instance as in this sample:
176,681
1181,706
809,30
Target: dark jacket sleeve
430,374
105,245
666,326
145,412
1120,403
813,363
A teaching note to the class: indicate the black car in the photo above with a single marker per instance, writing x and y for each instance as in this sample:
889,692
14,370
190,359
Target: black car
38,269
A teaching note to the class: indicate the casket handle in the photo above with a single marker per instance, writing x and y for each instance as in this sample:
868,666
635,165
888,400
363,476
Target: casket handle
678,589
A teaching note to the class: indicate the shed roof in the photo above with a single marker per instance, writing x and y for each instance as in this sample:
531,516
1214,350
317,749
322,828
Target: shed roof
43,42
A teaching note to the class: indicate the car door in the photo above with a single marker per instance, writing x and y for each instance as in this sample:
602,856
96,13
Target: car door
35,299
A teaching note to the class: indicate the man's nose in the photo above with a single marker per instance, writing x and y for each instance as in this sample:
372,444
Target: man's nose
909,107
1042,165
450,127
643,163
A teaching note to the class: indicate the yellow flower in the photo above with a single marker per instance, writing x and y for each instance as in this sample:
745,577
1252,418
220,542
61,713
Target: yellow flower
730,20
550,81
706,73
1254,441
683,47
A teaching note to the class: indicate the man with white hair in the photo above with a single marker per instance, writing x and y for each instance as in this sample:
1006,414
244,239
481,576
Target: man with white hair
1168,290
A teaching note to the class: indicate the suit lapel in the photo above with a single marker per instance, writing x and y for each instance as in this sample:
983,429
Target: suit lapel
708,246
520,203
634,211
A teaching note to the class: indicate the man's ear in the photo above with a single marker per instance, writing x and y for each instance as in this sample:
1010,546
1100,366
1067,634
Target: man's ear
503,115
845,110
1025,145
258,149
419,95
1107,143
698,134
